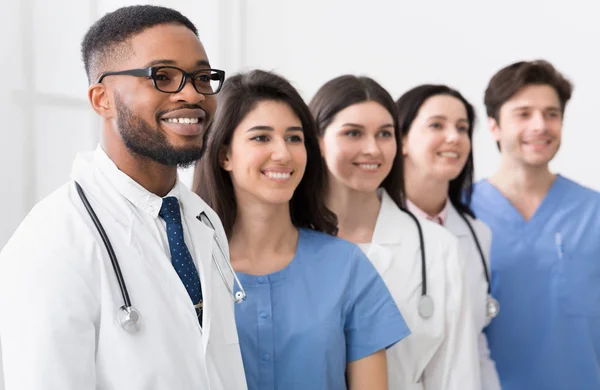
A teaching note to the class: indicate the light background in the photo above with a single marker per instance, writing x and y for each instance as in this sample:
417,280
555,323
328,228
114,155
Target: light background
47,119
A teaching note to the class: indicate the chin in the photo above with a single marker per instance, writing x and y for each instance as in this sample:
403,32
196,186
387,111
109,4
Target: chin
276,197
186,143
365,185
538,162
448,173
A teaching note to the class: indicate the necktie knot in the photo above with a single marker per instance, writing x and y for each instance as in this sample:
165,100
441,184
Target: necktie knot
169,210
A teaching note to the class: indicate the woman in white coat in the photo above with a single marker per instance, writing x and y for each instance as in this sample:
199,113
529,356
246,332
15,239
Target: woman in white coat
437,128
359,140
60,301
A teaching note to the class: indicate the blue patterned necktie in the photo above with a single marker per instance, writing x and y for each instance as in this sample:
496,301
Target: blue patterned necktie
180,255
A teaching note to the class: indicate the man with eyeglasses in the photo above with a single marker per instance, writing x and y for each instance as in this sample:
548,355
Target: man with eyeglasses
111,282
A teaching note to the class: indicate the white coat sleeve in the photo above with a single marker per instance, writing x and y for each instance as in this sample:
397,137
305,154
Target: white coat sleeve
1,369
489,374
455,365
47,310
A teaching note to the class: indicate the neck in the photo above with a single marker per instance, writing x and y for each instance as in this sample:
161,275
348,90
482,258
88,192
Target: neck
429,195
357,211
263,238
524,187
157,178
519,181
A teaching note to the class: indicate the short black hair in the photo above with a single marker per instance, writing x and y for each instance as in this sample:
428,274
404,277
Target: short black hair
104,41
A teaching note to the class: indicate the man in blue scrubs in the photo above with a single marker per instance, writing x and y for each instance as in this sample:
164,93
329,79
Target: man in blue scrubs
546,240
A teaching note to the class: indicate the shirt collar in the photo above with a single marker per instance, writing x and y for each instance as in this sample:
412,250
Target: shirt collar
439,218
132,191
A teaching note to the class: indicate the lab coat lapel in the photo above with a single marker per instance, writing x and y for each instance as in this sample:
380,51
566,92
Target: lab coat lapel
103,195
386,234
456,224
98,188
202,255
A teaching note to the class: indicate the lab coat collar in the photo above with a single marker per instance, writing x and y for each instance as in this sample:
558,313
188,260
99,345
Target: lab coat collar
439,218
391,234
388,222
132,191
455,223
104,185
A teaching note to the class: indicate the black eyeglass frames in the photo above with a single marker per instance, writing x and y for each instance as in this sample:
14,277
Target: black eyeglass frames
170,79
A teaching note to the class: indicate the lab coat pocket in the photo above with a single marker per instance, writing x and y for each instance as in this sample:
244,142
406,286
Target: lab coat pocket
579,286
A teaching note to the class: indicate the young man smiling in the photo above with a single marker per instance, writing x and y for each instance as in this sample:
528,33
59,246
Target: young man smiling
545,257
65,319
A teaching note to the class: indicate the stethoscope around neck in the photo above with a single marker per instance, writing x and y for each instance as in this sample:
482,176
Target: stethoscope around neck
128,316
426,305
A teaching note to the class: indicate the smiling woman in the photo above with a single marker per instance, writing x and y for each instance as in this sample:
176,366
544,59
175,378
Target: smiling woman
317,314
437,125
239,108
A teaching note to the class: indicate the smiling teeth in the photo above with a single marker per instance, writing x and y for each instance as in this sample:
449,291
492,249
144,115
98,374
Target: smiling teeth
278,175
368,166
449,154
184,121
540,142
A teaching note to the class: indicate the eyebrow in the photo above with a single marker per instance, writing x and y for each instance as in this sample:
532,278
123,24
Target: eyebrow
362,127
521,108
269,128
171,62
442,117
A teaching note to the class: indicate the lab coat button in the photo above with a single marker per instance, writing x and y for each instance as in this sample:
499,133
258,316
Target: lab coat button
264,314
266,357
260,279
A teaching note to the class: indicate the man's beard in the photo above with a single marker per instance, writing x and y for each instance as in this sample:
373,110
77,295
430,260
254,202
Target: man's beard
144,140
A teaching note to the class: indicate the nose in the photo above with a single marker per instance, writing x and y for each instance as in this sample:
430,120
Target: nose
280,152
452,134
188,94
538,121
371,147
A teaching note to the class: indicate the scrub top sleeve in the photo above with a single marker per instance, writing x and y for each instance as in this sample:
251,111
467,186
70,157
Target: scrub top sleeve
373,321
46,315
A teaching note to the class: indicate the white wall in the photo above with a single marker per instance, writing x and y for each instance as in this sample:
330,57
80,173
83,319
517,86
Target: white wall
460,43
43,104
46,117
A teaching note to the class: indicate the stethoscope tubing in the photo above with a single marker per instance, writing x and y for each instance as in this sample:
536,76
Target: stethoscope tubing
107,244
423,257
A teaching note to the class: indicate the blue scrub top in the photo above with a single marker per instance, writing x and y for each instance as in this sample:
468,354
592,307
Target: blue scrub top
547,334
299,327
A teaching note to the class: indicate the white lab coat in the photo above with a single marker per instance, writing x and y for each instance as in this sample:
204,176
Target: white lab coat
441,352
59,297
477,285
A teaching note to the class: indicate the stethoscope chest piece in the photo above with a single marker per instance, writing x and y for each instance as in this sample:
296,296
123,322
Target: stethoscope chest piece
492,306
129,319
425,306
